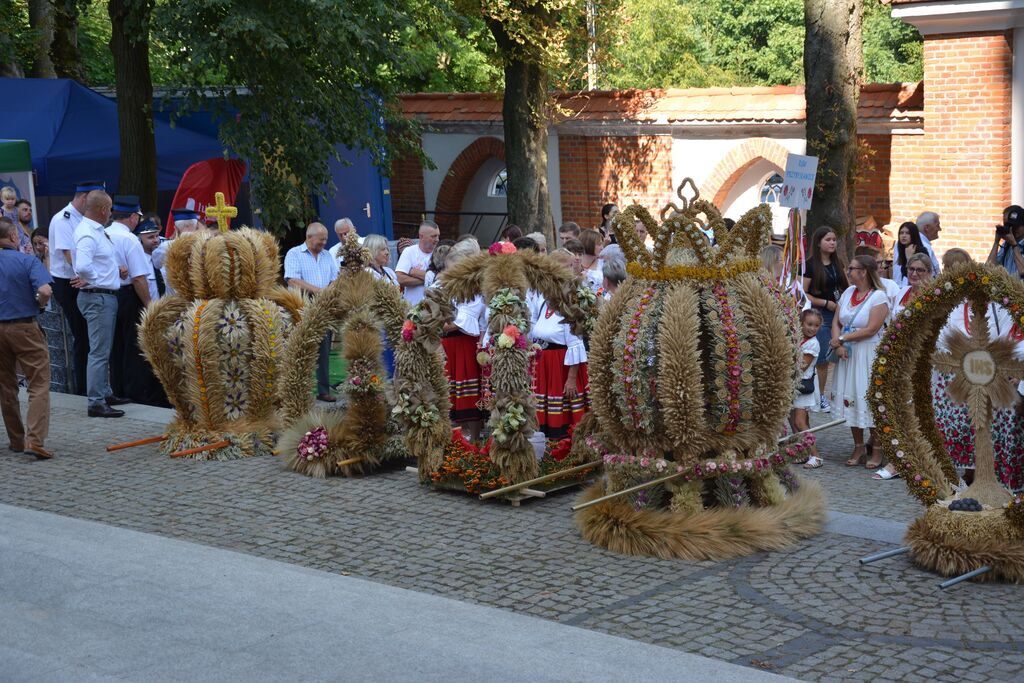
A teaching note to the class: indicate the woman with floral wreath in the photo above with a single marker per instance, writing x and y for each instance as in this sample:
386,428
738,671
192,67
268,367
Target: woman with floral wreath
856,330
461,341
953,419
824,280
561,385
919,272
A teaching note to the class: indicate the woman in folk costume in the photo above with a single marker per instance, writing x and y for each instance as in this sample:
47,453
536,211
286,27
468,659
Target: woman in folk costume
461,341
561,384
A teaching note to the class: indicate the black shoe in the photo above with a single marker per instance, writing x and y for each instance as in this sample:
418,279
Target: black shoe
104,411
117,400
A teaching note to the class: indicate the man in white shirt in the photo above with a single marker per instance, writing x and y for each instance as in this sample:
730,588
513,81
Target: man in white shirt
148,389
414,261
62,247
185,221
98,281
132,297
309,268
929,227
342,227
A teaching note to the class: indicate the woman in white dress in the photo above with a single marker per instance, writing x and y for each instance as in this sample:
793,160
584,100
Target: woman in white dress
856,330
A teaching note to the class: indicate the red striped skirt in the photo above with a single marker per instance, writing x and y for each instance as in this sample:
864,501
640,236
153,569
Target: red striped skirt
555,413
463,376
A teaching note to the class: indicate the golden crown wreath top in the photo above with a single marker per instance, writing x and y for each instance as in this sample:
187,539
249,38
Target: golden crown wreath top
737,250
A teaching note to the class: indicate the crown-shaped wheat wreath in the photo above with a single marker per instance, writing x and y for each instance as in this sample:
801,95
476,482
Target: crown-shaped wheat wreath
736,250
695,354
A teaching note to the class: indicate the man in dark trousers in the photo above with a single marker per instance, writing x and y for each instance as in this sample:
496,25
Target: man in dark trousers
132,296
62,250
143,386
24,291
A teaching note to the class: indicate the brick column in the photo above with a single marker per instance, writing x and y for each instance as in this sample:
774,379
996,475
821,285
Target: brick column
966,156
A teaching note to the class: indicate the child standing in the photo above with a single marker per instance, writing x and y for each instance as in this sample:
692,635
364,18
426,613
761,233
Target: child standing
810,322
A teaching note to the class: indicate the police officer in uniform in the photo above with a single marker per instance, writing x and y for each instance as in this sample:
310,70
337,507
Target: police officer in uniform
62,249
98,281
185,221
143,386
132,296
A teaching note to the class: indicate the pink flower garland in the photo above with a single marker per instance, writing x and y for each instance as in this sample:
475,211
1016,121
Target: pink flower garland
733,369
313,444
629,358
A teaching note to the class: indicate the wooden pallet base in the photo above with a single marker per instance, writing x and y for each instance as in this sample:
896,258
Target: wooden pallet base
517,497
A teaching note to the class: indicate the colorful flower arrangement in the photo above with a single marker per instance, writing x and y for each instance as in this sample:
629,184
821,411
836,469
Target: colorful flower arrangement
911,441
636,385
364,377
467,466
313,445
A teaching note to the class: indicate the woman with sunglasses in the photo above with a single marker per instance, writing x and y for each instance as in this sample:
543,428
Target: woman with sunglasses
856,329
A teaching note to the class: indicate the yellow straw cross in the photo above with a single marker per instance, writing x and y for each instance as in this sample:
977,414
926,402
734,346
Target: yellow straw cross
222,212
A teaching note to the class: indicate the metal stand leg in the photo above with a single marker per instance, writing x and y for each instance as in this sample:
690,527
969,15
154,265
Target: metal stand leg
964,577
884,554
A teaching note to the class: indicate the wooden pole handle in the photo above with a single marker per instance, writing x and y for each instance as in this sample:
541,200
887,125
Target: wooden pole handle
133,444
201,449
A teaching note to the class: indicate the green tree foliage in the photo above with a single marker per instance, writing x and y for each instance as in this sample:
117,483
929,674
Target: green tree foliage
659,44
893,52
306,76
699,43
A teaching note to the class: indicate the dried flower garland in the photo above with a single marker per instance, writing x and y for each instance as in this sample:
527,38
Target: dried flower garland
910,439
313,445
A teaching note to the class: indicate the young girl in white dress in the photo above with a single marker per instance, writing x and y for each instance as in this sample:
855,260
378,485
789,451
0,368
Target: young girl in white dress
803,404
856,330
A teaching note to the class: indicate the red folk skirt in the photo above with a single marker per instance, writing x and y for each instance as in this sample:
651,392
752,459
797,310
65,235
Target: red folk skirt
555,413
463,376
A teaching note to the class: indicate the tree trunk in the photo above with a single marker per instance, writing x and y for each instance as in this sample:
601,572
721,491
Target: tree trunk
64,53
129,43
525,114
833,71
40,18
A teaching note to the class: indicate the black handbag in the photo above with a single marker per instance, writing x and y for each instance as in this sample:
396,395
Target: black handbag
806,386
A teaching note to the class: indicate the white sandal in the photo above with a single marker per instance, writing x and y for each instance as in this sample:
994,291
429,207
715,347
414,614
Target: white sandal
813,463
884,474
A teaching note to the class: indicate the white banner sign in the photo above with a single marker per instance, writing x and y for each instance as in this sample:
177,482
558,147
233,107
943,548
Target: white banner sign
798,185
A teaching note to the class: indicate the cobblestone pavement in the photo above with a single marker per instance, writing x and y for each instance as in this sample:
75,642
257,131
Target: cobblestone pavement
811,612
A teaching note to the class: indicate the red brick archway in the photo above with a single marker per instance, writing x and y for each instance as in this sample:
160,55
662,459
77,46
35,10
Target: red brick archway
458,177
737,162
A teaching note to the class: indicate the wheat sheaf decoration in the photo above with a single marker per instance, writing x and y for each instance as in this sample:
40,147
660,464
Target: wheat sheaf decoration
216,343
692,369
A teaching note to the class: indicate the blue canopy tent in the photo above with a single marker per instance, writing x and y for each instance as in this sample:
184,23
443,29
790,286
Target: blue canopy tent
72,132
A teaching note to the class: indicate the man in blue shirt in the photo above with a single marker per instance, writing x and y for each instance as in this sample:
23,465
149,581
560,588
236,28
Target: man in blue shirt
311,269
24,291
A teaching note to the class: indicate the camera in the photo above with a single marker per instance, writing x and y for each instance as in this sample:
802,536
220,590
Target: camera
1002,230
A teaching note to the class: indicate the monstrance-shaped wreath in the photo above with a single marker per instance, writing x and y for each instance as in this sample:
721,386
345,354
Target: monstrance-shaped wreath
982,369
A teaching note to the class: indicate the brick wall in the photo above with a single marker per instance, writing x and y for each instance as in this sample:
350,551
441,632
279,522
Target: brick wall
965,164
621,170
407,199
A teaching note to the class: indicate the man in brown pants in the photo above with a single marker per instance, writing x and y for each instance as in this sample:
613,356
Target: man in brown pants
24,290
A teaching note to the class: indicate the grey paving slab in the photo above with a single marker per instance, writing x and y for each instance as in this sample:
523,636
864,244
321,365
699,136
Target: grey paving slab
86,600
810,612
